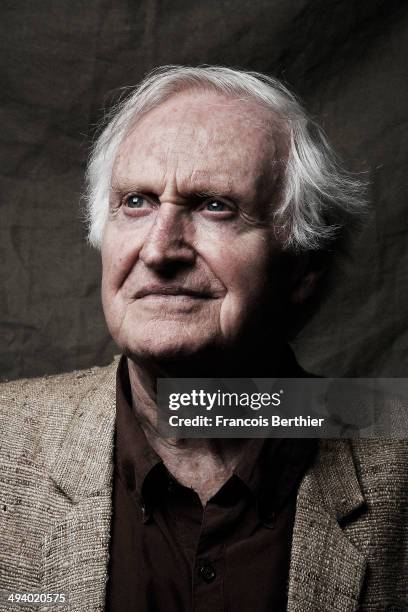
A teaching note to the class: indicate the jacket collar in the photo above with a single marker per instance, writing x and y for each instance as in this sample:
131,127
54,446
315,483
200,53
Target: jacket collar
327,571
82,465
335,476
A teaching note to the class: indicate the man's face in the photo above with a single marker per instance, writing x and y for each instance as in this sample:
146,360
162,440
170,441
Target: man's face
188,251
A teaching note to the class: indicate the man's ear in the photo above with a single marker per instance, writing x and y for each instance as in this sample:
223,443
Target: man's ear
307,273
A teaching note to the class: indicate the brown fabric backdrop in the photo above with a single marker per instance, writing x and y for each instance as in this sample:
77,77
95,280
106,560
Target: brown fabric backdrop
60,62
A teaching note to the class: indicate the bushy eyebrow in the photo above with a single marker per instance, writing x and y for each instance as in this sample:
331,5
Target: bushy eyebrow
204,185
215,193
120,187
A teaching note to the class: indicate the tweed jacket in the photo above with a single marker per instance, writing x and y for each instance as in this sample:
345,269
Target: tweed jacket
350,534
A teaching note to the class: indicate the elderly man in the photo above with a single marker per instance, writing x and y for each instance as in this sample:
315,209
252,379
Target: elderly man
215,203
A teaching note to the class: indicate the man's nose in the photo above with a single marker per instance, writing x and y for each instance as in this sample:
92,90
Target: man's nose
167,242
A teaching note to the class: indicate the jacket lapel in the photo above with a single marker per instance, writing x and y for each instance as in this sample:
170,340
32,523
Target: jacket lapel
75,550
326,571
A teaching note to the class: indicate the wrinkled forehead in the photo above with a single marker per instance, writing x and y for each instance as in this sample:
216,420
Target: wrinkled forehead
205,135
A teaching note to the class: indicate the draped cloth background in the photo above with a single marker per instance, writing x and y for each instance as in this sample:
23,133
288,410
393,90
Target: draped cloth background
60,64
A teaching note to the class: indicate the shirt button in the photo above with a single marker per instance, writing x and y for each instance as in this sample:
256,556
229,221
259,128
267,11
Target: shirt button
207,572
145,513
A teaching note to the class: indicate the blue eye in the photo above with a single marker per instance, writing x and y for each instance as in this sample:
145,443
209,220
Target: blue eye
135,201
215,206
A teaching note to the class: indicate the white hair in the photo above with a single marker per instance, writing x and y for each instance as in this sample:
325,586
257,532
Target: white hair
319,202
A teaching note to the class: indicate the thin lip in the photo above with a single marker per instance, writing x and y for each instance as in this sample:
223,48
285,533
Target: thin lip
173,291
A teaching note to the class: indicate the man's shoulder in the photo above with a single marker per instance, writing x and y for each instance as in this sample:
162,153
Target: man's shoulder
35,412
383,461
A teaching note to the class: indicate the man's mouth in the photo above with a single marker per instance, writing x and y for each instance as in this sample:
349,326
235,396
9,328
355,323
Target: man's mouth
174,290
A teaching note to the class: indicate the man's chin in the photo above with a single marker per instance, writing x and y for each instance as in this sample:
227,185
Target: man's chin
163,352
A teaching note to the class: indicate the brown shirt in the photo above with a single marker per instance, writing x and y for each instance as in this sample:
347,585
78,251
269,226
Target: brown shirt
168,553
